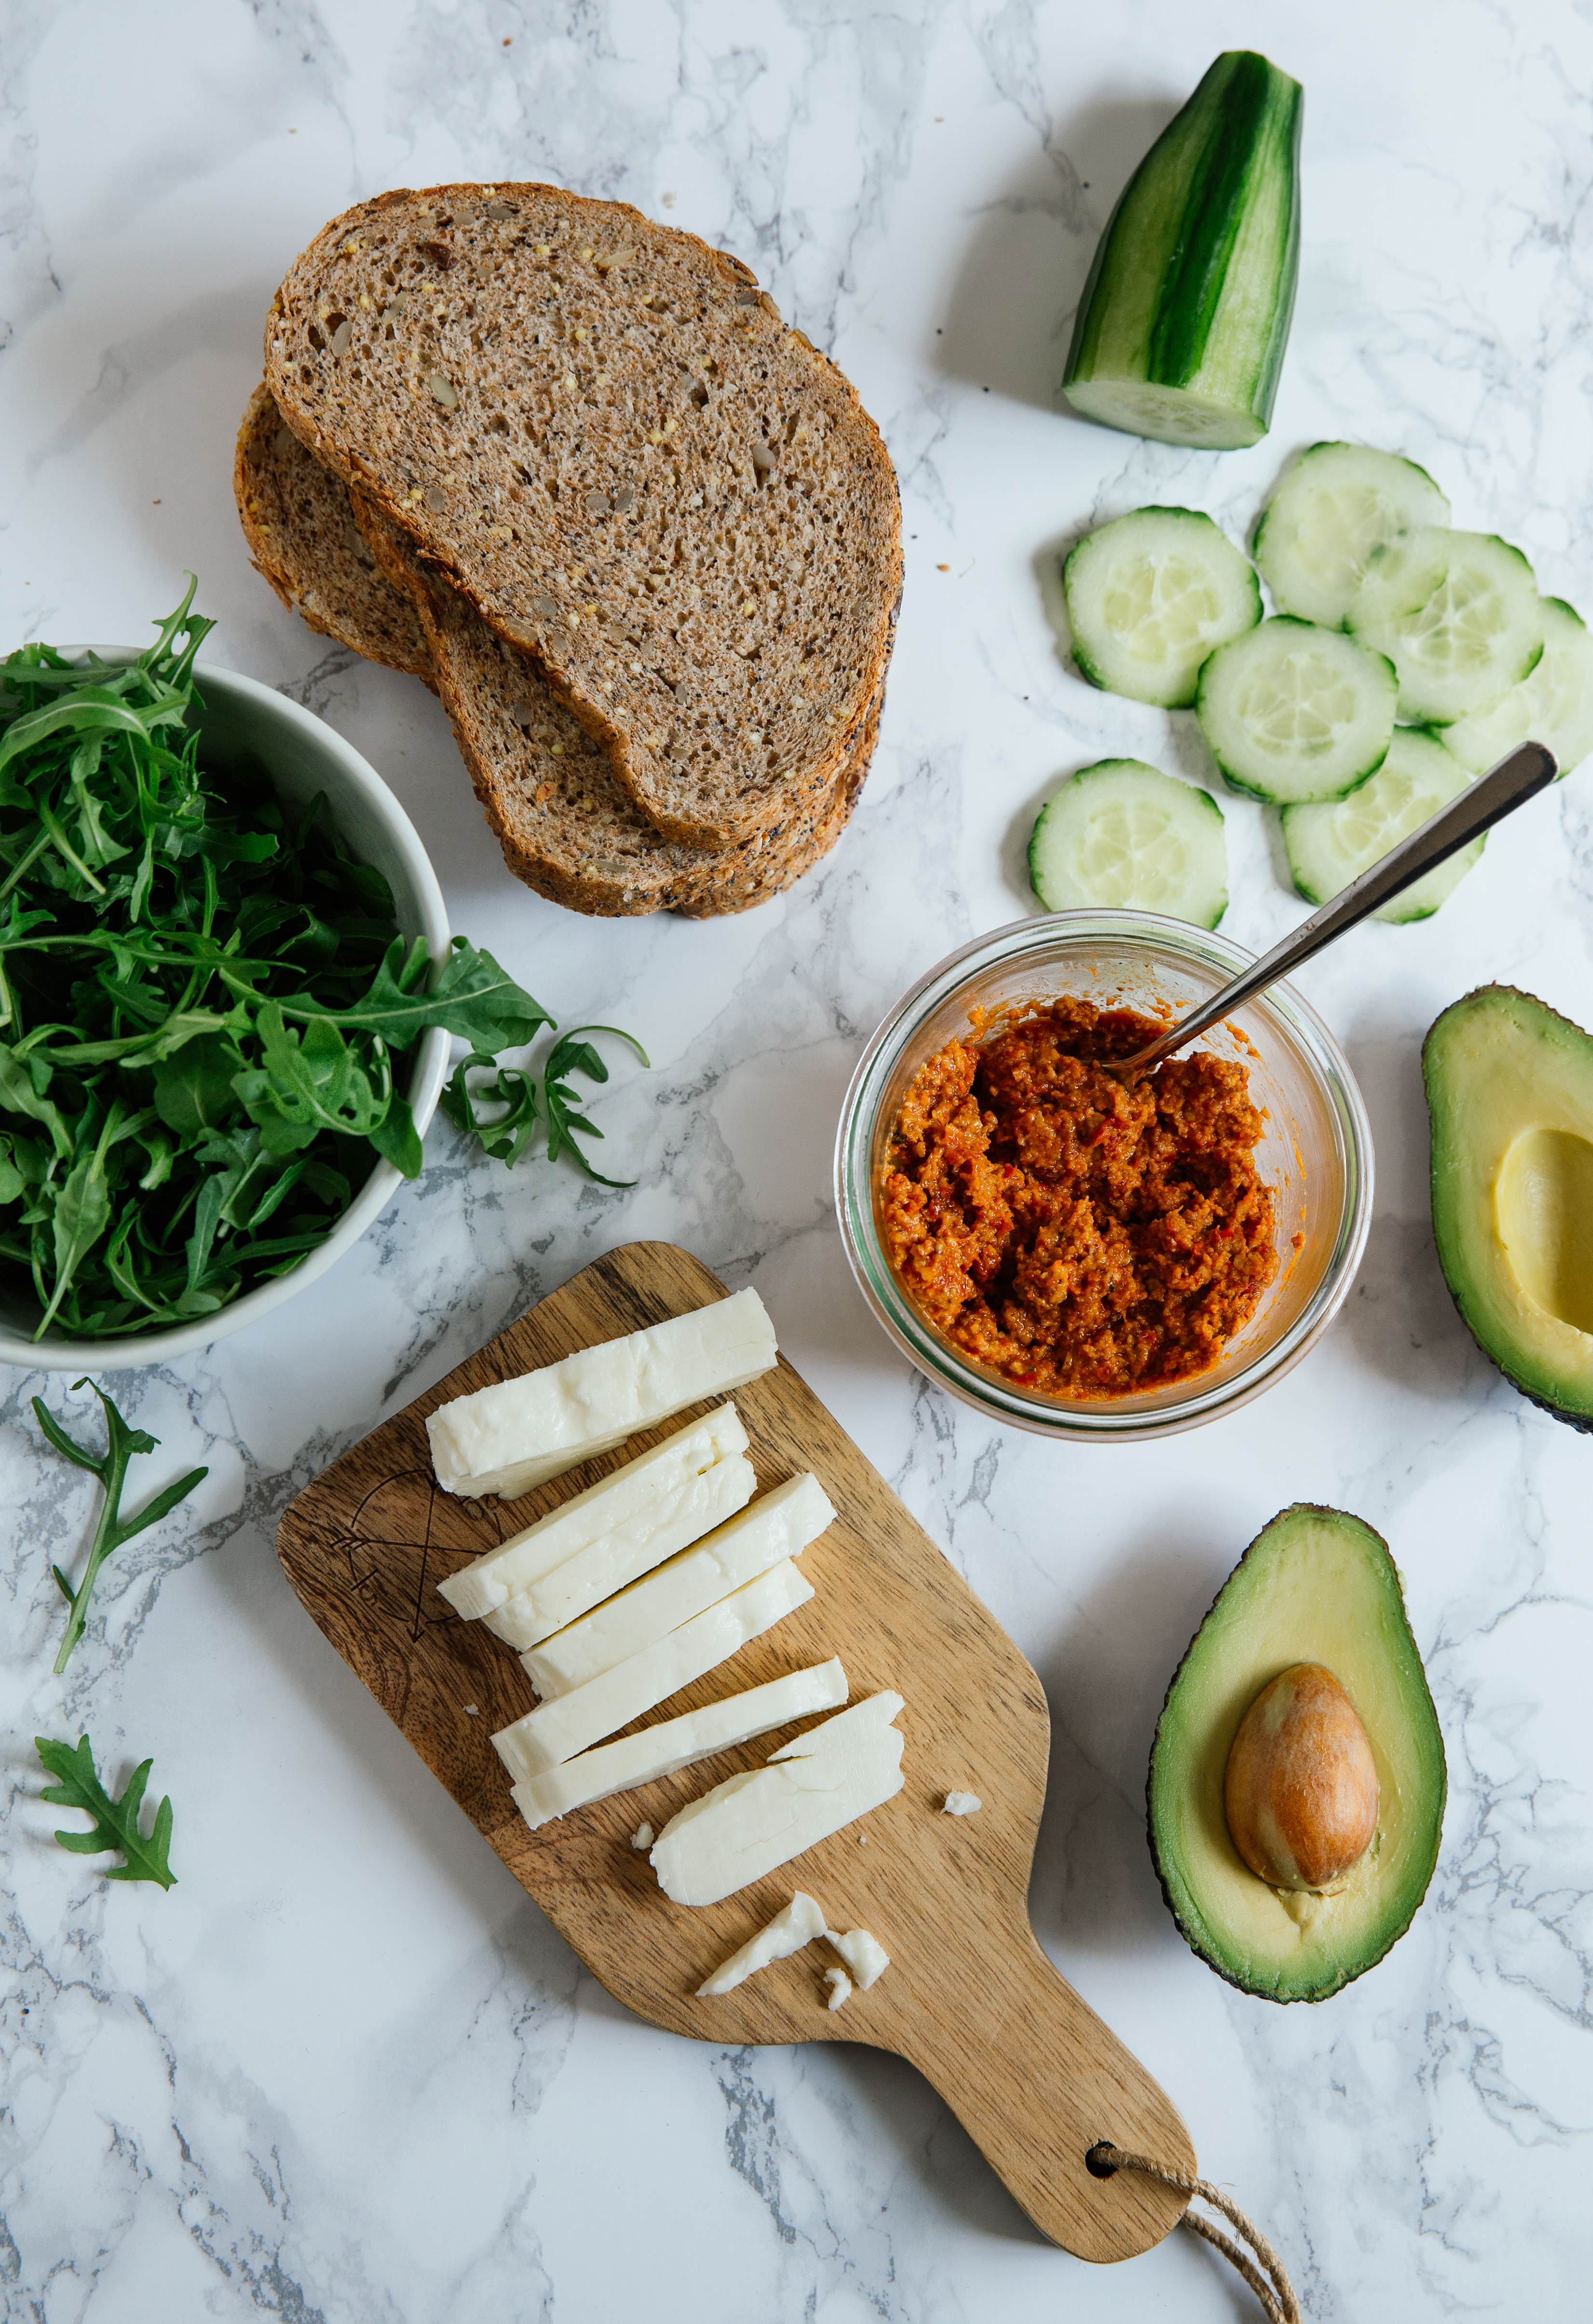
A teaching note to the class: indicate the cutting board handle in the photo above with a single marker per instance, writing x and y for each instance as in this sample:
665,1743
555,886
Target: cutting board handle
1036,2080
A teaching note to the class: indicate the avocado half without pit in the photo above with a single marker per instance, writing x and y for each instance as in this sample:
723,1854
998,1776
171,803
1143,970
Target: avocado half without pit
1510,1092
1297,1780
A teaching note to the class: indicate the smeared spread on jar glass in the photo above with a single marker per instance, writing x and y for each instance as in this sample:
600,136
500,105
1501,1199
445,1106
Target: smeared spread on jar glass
1082,1239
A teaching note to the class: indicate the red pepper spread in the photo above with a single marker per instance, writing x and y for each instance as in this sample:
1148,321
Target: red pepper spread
1083,1239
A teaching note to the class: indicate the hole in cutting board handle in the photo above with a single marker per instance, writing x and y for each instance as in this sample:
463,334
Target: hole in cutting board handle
1098,2162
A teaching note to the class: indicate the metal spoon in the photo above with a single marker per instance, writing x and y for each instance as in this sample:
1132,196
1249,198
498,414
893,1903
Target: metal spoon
1528,770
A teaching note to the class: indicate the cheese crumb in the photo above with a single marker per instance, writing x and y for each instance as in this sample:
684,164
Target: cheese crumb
641,1839
863,1954
962,1803
840,1986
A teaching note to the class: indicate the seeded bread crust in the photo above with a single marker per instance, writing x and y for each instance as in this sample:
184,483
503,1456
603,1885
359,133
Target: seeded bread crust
602,434
302,537
563,824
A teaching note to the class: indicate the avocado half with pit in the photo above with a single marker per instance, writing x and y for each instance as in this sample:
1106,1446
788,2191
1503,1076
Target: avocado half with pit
1316,1587
1510,1092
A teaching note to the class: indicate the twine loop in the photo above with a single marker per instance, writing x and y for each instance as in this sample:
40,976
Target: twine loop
1269,2281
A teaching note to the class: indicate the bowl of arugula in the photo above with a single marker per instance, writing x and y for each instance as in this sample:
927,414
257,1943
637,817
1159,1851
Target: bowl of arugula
228,995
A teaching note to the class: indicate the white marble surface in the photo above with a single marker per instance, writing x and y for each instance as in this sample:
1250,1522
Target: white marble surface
345,2071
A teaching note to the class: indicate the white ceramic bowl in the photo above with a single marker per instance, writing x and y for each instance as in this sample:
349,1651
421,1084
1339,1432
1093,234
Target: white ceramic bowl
302,756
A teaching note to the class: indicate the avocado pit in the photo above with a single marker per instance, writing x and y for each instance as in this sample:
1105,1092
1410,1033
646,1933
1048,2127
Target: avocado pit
1301,1791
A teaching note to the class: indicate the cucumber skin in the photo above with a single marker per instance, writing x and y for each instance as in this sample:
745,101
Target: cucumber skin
1244,117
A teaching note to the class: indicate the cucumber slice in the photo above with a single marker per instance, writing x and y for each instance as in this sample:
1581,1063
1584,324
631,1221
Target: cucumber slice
1183,321
1337,503
1479,632
1123,834
1401,576
1149,595
1296,711
1329,846
1553,705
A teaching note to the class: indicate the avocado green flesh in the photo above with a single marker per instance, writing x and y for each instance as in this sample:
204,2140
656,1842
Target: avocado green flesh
1316,1586
1510,1090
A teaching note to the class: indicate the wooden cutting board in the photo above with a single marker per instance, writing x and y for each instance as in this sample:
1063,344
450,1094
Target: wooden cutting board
969,1998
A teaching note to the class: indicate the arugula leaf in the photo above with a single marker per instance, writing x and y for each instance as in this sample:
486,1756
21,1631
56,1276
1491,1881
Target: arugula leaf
113,1531
527,1101
115,1821
194,1085
20,1093
472,997
82,1213
573,1055
311,1082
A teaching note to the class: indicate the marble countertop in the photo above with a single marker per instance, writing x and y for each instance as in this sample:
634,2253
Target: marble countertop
345,2071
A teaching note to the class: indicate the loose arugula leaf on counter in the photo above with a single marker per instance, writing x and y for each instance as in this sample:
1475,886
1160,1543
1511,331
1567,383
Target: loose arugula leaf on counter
202,996
113,1531
526,1100
115,1821
574,1055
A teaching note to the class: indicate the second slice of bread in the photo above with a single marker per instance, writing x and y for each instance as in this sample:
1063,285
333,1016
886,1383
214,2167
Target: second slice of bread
300,529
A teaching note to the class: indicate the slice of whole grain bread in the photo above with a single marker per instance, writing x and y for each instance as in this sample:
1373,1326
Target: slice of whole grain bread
604,436
563,824
303,538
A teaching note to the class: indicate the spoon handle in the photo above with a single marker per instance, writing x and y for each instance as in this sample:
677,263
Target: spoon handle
1528,770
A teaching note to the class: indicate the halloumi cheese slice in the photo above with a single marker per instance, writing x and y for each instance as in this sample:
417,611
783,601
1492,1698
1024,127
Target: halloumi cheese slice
676,1743
654,1491
557,1731
509,1437
619,1557
782,1524
797,1925
752,1824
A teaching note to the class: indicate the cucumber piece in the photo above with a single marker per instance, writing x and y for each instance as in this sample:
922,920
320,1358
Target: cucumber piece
1149,595
1553,705
1295,711
1336,506
1401,576
1121,833
1331,845
1182,328
1480,632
